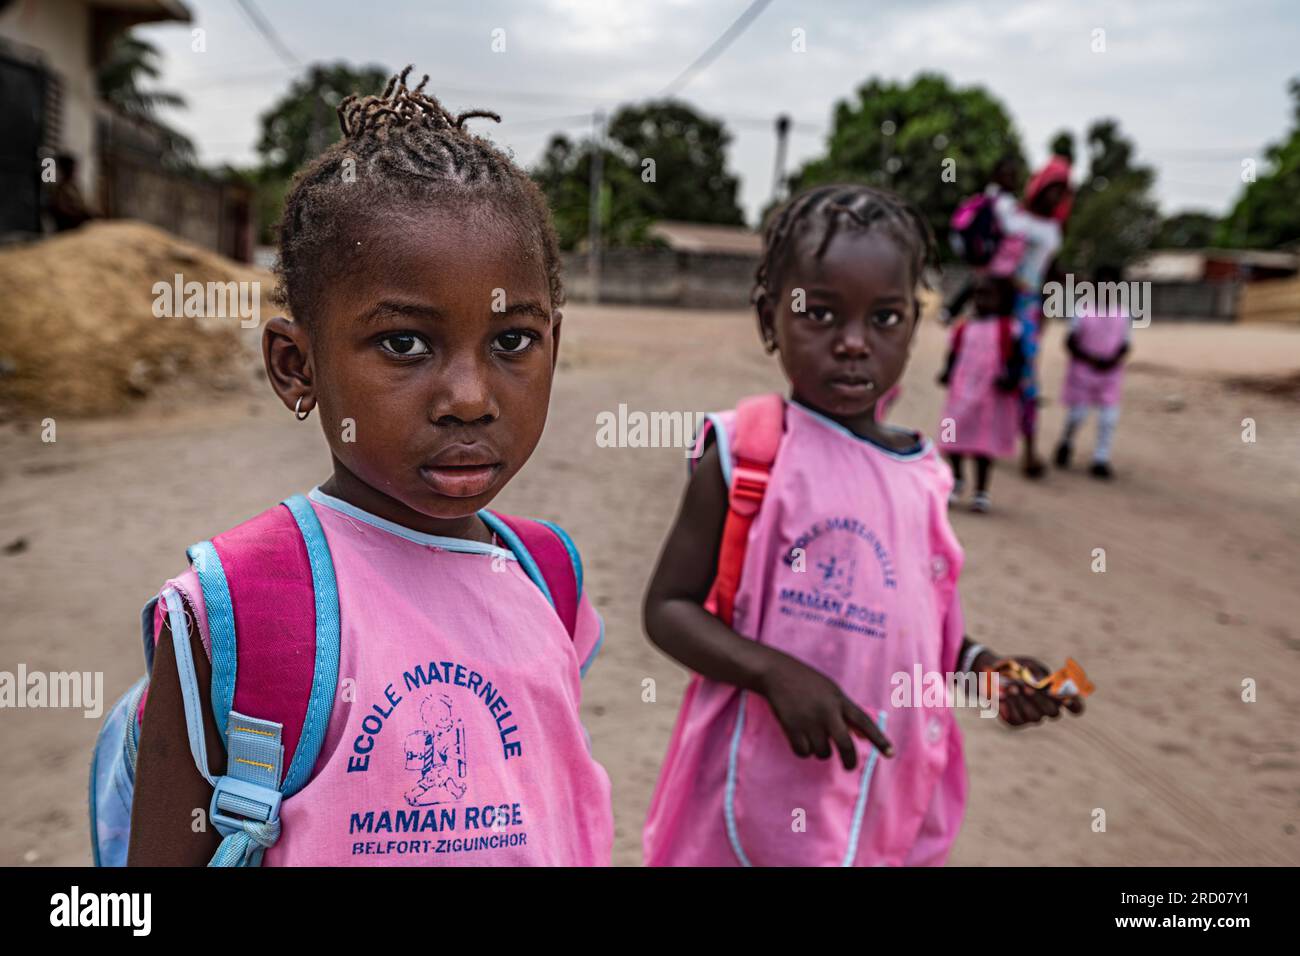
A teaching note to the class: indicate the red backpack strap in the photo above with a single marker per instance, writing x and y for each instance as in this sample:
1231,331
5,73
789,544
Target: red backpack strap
1004,337
548,557
760,423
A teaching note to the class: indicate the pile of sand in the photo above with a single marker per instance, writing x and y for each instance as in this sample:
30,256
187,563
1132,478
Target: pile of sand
78,330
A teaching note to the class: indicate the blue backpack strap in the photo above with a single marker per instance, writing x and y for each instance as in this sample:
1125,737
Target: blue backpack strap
246,800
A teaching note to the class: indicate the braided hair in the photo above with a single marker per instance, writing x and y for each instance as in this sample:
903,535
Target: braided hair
826,208
400,149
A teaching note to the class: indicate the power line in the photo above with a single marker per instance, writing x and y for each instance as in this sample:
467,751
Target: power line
268,32
716,47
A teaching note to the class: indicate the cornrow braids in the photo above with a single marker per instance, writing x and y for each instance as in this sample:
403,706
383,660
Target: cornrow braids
400,149
827,208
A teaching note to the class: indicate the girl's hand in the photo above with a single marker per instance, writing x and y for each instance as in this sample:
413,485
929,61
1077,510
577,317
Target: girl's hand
814,712
1022,704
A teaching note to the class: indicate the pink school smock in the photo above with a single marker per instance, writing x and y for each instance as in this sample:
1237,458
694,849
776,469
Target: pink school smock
877,597
455,736
1100,336
985,420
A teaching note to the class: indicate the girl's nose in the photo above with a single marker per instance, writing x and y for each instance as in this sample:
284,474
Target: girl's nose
465,396
851,344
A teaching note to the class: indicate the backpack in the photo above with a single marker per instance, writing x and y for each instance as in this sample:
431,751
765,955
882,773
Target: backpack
273,619
974,231
760,422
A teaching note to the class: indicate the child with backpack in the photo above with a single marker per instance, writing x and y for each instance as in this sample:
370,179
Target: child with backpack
1098,344
383,672
981,417
811,567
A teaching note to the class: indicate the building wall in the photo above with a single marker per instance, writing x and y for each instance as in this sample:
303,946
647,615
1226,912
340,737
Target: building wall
662,277
59,31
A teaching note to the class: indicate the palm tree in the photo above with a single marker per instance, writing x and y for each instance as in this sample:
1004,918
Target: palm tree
131,60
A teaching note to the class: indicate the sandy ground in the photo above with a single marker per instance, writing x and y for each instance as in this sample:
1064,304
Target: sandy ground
1201,532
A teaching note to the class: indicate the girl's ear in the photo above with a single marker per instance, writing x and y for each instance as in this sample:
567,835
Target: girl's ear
286,351
766,311
556,317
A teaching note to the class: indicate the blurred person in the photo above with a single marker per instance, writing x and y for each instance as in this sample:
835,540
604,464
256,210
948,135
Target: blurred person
982,374
1098,344
67,207
1037,225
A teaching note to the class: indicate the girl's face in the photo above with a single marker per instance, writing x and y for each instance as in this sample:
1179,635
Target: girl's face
850,342
431,364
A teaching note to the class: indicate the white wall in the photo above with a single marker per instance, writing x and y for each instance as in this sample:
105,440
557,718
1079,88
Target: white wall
60,30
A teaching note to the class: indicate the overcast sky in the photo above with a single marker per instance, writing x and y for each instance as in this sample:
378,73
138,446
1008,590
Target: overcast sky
1199,84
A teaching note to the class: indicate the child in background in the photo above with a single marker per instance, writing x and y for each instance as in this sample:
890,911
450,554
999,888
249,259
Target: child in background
453,737
982,414
1098,343
842,575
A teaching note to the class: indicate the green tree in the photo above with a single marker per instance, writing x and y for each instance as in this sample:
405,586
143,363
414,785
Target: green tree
1114,216
687,178
1267,214
1187,230
303,122
900,136
298,127
564,175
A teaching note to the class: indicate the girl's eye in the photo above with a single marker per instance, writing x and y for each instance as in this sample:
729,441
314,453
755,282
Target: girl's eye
404,343
888,318
514,341
821,314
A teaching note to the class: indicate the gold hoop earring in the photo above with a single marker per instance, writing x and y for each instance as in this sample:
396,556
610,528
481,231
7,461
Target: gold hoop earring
298,413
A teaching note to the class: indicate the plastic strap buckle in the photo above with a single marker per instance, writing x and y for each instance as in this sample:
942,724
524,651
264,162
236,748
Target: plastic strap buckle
250,790
748,485
236,801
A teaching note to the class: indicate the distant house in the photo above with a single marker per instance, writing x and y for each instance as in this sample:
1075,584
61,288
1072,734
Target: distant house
1207,283
1211,265
702,238
691,266
50,53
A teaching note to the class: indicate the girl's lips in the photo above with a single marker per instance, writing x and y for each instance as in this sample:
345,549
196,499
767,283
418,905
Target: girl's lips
460,481
853,387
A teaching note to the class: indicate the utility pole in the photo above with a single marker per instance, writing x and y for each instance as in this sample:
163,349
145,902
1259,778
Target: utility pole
778,177
593,214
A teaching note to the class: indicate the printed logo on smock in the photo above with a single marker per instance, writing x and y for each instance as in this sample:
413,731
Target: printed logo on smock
839,555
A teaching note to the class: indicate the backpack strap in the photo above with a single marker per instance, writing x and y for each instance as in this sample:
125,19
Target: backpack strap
760,423
548,557
273,622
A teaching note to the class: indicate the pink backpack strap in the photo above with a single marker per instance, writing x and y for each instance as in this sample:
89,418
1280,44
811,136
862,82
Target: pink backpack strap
273,620
760,423
548,557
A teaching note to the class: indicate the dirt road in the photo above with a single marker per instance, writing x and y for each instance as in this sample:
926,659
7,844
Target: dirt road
1201,532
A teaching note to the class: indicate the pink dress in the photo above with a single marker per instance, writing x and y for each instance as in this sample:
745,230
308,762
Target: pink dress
1100,336
851,567
978,418
455,736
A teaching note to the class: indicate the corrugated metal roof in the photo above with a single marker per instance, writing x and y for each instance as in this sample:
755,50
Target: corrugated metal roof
708,238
